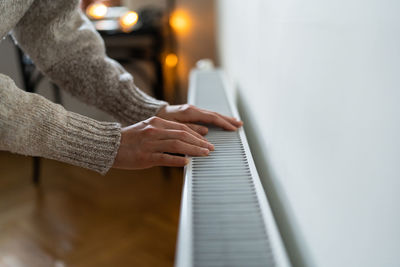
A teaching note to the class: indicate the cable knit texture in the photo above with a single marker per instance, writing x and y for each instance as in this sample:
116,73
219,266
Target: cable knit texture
64,45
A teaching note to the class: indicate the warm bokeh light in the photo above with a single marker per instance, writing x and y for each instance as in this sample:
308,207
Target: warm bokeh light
128,20
180,21
171,60
96,10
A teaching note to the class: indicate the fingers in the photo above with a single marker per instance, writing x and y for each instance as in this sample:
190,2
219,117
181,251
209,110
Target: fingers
215,119
179,126
193,113
186,137
180,147
233,120
162,159
190,114
198,128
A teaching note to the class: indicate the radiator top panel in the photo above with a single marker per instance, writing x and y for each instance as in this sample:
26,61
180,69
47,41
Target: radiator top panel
210,93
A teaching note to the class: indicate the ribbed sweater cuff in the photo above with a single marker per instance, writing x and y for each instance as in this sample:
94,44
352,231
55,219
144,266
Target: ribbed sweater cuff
84,142
133,105
34,126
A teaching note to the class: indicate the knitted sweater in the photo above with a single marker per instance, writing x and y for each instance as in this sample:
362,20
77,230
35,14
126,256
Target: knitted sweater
64,46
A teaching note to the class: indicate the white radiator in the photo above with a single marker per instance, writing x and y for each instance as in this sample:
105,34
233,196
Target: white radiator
225,217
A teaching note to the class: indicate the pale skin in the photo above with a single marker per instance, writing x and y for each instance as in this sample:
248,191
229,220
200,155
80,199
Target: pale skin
173,130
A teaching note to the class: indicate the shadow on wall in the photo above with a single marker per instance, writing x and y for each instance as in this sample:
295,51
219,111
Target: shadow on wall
276,196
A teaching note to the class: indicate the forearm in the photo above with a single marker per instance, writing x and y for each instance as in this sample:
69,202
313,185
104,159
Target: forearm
106,85
32,125
64,45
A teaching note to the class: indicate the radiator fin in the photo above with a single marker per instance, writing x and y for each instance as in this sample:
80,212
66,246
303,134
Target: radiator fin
228,229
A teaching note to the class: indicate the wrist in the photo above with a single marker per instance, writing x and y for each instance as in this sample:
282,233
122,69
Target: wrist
162,112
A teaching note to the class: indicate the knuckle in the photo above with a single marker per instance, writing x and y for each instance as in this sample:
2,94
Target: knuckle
182,127
187,107
154,120
159,159
186,128
164,159
183,134
150,131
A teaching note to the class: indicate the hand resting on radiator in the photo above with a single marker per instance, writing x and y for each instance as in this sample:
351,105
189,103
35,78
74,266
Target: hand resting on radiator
190,114
150,142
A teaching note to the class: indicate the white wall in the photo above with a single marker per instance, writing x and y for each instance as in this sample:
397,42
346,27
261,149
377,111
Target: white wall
319,86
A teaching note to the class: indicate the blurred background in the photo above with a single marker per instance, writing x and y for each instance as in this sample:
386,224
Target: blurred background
317,85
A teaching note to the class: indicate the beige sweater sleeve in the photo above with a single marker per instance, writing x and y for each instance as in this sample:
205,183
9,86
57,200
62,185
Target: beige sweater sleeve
63,44
32,125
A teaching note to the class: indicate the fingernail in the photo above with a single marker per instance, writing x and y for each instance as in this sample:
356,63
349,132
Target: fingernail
205,151
186,161
211,147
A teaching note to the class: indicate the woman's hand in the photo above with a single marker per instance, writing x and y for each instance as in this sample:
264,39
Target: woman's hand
189,115
146,144
153,141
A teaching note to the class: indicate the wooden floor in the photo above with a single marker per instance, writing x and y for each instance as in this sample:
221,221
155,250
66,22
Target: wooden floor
78,218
